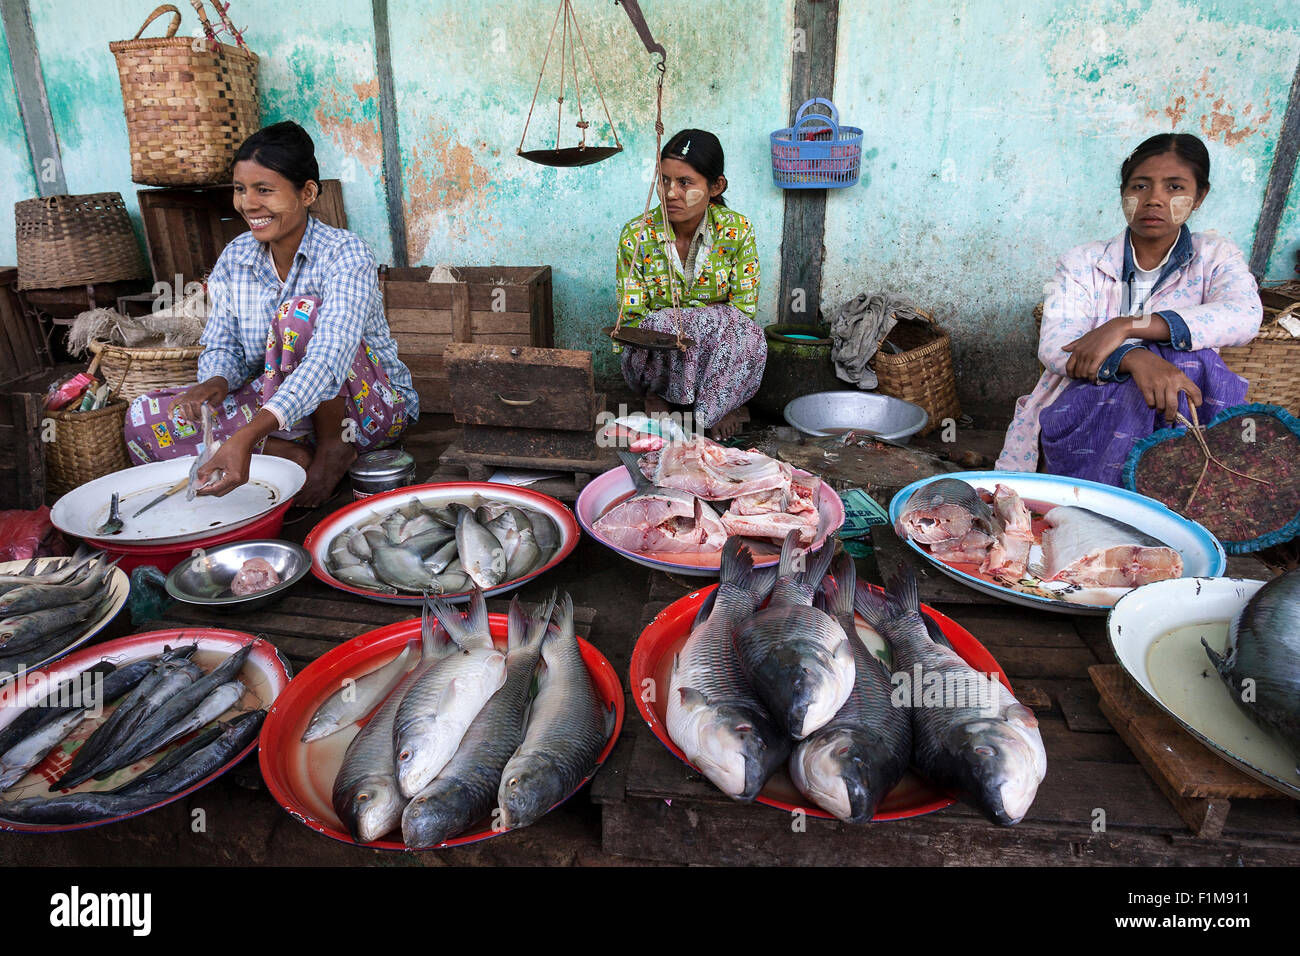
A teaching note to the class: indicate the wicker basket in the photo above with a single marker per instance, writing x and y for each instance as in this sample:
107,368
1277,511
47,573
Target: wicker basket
1270,362
187,109
142,370
922,373
86,446
75,241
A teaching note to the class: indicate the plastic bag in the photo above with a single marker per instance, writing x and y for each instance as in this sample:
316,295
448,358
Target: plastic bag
29,534
61,394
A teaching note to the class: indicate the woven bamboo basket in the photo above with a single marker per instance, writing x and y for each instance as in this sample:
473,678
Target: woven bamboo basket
75,241
923,372
86,446
189,102
142,370
1270,362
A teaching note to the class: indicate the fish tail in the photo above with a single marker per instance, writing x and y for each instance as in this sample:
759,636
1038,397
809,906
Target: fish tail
738,569
875,607
562,615
789,554
840,587
903,590
816,568
463,631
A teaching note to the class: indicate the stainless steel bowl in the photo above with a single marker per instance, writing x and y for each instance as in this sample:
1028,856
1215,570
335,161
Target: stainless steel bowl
204,580
834,413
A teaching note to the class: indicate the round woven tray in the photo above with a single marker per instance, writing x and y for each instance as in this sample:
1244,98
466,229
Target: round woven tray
85,446
147,369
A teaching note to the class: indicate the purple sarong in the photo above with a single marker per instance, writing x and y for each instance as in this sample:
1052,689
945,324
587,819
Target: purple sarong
1089,431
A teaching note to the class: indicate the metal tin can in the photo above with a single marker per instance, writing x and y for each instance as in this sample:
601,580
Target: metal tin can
379,471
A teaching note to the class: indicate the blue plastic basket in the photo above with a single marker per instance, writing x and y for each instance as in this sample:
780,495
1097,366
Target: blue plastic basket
816,152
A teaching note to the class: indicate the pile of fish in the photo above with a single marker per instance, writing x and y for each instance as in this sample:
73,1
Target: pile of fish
159,700
774,673
445,550
42,612
460,735
1261,662
678,483
1079,547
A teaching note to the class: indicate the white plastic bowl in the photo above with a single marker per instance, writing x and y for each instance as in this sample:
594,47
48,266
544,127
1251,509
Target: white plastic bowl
830,413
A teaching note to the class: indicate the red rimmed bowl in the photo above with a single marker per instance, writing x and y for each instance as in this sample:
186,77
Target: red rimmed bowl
301,776
166,556
318,541
652,659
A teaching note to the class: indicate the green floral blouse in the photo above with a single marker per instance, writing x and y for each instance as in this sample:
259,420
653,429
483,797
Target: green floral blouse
729,272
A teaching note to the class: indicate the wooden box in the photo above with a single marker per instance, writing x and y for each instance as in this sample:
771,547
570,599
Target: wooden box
22,346
22,467
492,305
185,229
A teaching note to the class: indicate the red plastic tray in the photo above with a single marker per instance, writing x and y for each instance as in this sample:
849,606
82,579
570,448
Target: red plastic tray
166,556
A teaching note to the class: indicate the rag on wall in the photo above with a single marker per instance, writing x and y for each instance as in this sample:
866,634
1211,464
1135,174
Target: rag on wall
859,327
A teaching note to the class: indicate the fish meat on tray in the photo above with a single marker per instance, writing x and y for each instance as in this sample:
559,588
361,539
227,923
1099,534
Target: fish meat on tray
254,575
1008,554
661,519
1092,550
711,471
945,509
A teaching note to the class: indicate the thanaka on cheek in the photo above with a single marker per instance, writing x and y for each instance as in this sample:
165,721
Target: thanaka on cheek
1180,207
1130,209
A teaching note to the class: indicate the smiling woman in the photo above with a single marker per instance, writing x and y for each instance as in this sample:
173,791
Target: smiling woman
298,360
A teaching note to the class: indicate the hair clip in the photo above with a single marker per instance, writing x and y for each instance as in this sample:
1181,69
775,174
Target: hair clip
687,148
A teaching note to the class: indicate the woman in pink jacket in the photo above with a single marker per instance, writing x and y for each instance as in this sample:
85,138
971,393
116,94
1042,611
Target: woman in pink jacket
1131,326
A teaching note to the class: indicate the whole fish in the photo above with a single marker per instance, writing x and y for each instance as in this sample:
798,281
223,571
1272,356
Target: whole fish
442,558
398,565
796,657
58,573
481,554
944,509
713,714
1264,649
358,697
47,706
568,726
173,758
366,796
544,531
969,733
38,597
439,706
22,631
363,576
220,700
31,750
235,734
852,763
75,807
466,789
1090,549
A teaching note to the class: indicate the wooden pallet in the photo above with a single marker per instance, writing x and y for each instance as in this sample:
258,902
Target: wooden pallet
578,472
1199,783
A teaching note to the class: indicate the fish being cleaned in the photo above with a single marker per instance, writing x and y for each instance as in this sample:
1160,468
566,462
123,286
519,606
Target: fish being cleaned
796,657
660,519
852,763
713,714
466,789
358,697
438,707
712,471
969,733
567,728
1008,555
1264,647
943,510
1092,550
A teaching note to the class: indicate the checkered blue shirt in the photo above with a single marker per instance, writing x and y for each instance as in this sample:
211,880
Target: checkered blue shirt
245,292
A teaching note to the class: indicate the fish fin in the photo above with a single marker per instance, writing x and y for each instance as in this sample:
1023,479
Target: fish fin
534,627
706,608
790,552
633,465
516,626
936,633
903,590
816,568
562,614
692,699
1220,661
876,608
611,718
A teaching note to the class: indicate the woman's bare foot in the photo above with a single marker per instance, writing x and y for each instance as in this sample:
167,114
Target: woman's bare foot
730,424
328,466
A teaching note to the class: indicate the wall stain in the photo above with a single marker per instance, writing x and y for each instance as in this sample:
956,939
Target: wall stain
1221,120
444,180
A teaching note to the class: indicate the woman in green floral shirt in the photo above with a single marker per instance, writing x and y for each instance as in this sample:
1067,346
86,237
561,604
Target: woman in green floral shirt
714,261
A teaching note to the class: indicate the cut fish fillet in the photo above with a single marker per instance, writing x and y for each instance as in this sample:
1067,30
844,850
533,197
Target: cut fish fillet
1008,557
711,471
665,521
970,548
1091,550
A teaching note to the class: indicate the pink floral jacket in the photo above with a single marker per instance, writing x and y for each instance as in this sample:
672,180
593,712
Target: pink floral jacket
1206,294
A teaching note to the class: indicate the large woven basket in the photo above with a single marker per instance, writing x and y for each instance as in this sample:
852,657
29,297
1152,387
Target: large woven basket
1270,362
189,103
923,372
75,241
142,370
85,446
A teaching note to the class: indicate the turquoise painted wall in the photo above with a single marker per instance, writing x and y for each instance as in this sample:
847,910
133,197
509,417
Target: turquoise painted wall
17,181
996,137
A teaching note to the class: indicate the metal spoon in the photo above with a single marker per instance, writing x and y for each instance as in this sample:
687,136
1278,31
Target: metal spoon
114,523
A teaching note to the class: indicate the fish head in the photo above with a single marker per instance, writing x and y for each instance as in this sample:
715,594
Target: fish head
420,753
1001,763
835,769
733,748
427,821
529,788
371,809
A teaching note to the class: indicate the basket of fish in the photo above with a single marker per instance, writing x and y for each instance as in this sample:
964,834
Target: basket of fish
1050,542
477,725
777,692
672,506
442,539
128,726
50,606
1221,656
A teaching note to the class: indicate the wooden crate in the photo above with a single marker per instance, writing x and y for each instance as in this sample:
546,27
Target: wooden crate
521,387
498,305
22,468
185,229
22,346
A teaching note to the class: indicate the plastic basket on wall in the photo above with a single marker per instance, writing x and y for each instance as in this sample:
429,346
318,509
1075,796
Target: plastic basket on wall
816,152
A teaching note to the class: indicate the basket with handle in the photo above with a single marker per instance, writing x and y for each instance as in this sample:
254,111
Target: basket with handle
1269,361
85,446
816,152
147,368
190,101
68,241
922,372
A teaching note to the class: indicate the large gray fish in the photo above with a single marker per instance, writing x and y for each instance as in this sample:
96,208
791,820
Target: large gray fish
232,737
220,700
59,699
366,795
852,763
712,713
797,658
567,728
75,807
439,706
22,631
481,554
358,697
58,573
174,758
1264,648
38,597
969,733
466,789
1091,549
945,509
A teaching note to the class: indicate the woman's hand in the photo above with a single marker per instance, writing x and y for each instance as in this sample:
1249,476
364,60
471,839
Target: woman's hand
1089,352
1159,382
233,458
190,402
